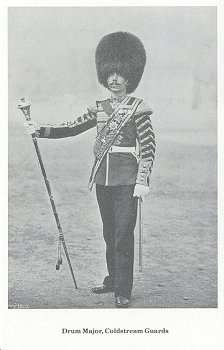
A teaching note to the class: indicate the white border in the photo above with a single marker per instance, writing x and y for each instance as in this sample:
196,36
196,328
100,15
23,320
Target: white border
40,329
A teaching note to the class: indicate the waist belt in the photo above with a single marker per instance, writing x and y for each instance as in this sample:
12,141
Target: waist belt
120,149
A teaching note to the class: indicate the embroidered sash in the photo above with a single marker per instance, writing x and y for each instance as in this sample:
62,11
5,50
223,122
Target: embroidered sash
120,116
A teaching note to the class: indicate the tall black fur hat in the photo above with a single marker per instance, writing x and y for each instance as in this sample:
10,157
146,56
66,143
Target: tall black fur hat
123,53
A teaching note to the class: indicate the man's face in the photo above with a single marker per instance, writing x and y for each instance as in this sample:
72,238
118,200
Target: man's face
116,83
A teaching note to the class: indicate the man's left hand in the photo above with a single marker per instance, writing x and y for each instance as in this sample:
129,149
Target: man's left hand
141,191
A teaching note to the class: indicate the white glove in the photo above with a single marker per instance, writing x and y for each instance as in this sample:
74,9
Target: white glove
30,127
141,191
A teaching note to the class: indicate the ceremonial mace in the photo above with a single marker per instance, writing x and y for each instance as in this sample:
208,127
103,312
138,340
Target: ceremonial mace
25,108
140,230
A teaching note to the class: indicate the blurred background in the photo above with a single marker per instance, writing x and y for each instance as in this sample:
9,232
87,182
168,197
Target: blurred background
51,63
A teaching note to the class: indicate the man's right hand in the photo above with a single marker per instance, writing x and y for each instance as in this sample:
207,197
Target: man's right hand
30,127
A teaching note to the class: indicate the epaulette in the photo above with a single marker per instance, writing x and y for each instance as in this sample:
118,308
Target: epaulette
143,108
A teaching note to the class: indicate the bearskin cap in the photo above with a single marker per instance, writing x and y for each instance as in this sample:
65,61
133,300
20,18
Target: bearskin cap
123,53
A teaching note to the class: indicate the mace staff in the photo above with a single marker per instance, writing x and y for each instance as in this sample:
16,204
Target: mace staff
25,108
140,230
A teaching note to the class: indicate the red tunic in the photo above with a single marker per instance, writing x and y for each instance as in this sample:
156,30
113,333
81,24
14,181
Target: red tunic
116,168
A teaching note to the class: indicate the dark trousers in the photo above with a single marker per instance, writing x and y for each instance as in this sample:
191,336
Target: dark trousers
118,210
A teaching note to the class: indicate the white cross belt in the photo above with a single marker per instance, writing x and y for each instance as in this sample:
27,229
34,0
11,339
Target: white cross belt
119,149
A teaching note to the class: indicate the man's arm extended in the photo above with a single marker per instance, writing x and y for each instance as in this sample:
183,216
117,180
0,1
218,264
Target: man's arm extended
66,129
76,127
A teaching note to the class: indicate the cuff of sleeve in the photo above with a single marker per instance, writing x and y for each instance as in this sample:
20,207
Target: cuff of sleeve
143,173
44,131
143,181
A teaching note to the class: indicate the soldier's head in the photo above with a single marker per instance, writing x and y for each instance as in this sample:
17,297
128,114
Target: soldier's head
120,56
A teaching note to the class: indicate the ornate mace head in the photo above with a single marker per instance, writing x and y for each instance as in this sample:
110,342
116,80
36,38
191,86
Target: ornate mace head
25,108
